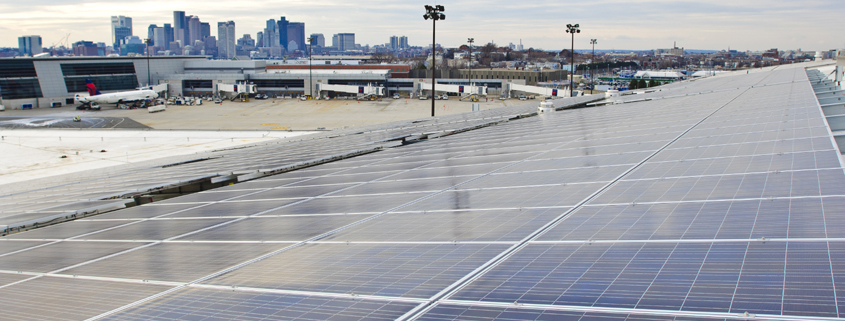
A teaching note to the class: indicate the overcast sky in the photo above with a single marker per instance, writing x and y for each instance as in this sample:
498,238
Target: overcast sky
617,24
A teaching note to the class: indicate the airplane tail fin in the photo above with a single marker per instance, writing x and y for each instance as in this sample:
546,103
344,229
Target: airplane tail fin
92,89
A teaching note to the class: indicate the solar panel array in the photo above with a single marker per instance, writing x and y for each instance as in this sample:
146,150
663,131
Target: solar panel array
720,198
73,195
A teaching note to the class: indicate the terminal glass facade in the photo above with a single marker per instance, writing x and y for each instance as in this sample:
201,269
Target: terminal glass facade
20,88
90,69
18,79
103,83
106,76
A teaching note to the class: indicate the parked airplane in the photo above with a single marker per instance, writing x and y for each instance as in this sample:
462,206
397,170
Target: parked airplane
96,98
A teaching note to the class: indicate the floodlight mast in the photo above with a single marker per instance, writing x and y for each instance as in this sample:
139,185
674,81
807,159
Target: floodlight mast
592,76
147,41
310,65
434,13
470,40
572,29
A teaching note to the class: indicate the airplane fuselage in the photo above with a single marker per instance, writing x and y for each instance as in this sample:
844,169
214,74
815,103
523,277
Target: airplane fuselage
118,97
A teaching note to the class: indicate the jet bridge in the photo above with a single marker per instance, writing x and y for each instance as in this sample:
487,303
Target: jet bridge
465,91
364,92
236,91
542,91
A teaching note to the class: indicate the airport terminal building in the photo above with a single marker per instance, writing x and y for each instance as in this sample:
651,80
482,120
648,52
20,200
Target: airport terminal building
53,81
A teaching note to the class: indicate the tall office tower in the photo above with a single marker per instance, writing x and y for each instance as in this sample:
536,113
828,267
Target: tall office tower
394,43
151,33
282,30
226,39
118,22
159,38
205,30
194,29
344,41
270,35
296,36
180,27
168,35
319,40
121,33
403,42
29,45
259,39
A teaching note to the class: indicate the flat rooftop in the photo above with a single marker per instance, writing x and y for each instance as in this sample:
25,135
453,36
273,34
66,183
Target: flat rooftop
713,199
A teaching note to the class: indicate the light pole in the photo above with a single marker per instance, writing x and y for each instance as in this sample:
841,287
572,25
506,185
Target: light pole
470,40
593,77
434,13
310,73
149,78
573,29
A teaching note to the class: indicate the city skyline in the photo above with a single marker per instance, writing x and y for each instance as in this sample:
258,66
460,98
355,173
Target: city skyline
740,24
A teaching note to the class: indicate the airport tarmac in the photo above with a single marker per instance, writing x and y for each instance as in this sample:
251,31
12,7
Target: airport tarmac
276,114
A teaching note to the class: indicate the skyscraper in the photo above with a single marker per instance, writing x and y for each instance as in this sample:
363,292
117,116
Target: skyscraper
319,39
180,27
194,29
403,42
29,45
271,35
118,22
205,30
120,33
226,39
394,43
296,36
168,35
282,30
159,38
151,34
344,41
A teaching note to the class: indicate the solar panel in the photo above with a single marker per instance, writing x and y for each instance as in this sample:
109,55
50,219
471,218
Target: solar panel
700,200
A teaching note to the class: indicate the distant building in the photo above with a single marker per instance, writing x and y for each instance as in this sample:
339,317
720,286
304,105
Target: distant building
319,39
88,48
296,36
344,41
772,54
121,27
211,46
271,35
151,33
29,45
132,44
394,43
194,29
121,33
205,30
282,30
180,27
226,40
246,41
403,43
168,36
159,39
